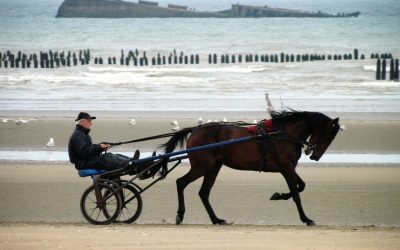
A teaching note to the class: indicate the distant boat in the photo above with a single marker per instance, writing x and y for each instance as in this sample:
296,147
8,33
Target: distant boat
143,9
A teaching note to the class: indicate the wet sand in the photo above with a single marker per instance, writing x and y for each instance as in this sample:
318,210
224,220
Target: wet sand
349,195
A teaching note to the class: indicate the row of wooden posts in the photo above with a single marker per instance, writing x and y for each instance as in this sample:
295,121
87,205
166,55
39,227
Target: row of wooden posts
58,59
381,69
44,59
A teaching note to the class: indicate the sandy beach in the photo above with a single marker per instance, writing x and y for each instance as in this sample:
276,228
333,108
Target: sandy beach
354,205
360,136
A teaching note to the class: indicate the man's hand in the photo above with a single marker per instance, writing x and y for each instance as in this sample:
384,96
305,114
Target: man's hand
104,146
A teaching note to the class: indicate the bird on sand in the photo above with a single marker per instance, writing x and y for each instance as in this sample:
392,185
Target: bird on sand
50,143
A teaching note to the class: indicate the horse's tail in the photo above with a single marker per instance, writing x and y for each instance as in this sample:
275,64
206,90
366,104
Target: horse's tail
178,138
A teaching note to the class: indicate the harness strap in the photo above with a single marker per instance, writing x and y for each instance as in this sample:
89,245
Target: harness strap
262,143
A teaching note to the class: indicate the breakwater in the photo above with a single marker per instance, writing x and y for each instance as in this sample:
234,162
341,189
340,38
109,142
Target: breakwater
386,67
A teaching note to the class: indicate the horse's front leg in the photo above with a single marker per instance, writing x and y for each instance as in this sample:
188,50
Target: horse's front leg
286,196
291,180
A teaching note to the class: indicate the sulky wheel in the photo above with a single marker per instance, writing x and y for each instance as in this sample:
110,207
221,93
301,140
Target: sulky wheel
131,203
101,209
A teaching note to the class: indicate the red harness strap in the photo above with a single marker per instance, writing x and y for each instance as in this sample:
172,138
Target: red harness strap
269,126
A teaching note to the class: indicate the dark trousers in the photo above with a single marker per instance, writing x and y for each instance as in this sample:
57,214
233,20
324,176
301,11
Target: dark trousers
108,161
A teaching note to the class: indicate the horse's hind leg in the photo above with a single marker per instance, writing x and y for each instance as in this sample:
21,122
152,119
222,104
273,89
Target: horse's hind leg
204,193
291,179
181,184
286,196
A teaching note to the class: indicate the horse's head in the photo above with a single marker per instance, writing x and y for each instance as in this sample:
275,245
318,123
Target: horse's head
322,136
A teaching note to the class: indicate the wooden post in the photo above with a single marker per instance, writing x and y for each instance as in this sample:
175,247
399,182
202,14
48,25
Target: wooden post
233,59
109,61
266,57
114,60
396,70
287,58
292,58
95,60
240,58
192,59
250,58
282,57
298,58
197,59
180,59
35,64
362,57
383,77
391,74
135,61
170,59
164,60
256,58
355,54
158,59
378,69
209,59
153,61
175,59
226,58
186,59
222,58
100,60
345,56
215,58
271,57
141,61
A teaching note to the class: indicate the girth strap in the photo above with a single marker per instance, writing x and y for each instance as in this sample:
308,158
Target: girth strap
262,144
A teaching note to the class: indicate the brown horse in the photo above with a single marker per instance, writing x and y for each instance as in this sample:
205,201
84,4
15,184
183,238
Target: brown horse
283,151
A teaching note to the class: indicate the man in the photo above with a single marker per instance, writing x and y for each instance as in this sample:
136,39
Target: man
84,154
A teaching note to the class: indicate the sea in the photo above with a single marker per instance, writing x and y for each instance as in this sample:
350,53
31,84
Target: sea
342,86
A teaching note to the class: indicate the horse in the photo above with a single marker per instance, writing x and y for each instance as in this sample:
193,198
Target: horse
283,150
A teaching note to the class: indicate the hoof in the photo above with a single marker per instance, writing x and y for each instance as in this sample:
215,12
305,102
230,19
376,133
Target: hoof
311,224
178,220
223,223
275,197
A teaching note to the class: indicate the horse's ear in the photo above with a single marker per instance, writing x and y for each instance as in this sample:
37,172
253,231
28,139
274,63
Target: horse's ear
335,122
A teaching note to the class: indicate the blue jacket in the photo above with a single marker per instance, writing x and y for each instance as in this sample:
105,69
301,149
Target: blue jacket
80,147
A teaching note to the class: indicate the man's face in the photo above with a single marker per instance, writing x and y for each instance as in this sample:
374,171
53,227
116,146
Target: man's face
86,123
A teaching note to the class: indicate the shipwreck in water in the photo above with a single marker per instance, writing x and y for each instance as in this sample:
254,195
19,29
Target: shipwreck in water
143,9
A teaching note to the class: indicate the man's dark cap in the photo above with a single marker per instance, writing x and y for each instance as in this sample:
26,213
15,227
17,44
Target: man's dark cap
84,115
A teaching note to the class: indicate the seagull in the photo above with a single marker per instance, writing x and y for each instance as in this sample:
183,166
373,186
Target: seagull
21,121
4,120
50,143
176,128
224,119
175,123
132,122
254,121
209,120
270,108
200,121
342,127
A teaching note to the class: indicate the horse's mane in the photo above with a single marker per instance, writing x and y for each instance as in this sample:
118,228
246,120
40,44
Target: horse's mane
291,115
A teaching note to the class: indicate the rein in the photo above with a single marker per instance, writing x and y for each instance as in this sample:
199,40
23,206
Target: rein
113,144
